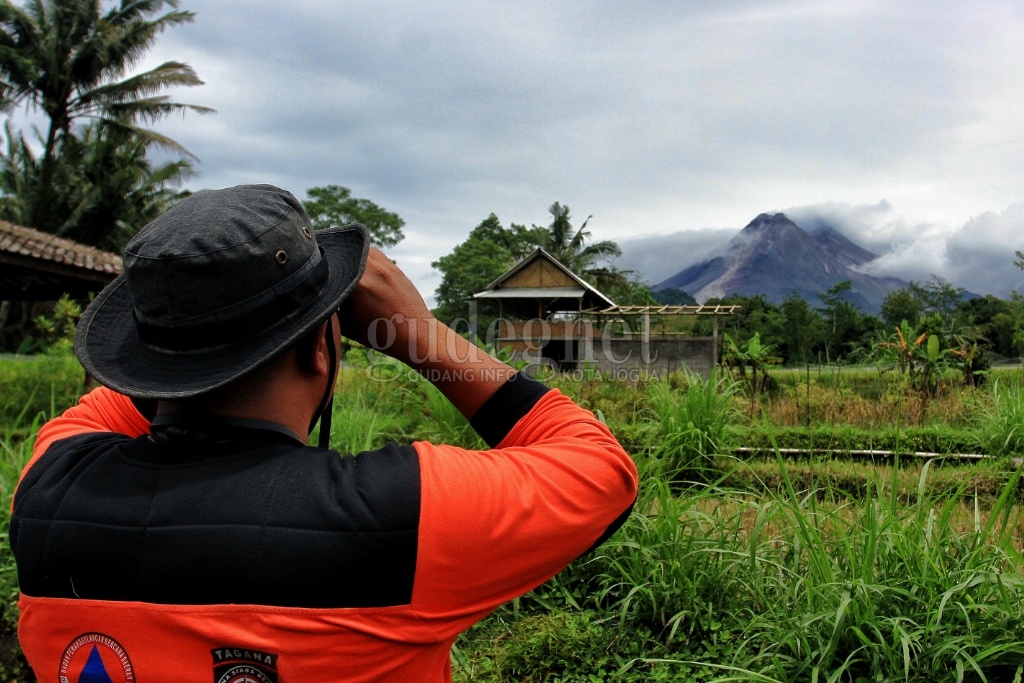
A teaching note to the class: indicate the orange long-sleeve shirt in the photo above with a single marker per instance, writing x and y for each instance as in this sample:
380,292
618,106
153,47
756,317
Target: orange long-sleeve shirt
155,562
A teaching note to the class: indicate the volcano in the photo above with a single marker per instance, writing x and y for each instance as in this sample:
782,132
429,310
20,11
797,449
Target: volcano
775,257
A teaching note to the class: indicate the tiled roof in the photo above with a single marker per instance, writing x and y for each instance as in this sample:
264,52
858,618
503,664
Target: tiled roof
27,242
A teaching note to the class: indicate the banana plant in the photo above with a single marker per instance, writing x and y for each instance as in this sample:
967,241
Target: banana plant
753,354
919,358
900,349
973,361
928,377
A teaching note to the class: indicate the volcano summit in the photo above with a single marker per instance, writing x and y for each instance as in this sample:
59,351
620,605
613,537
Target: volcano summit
775,257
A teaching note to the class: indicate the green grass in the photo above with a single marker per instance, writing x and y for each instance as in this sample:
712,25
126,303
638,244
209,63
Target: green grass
852,477
845,438
37,384
15,450
1001,426
803,585
366,415
692,425
443,423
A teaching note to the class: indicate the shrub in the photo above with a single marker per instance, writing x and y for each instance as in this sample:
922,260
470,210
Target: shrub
691,426
1002,425
46,384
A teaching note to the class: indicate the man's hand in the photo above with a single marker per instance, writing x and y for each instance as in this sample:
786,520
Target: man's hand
386,312
385,302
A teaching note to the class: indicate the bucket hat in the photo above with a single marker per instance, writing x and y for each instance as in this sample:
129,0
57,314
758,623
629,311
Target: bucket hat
215,288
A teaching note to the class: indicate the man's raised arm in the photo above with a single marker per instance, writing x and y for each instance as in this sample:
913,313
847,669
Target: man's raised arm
387,313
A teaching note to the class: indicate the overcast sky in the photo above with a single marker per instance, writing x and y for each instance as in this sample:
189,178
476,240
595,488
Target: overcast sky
673,123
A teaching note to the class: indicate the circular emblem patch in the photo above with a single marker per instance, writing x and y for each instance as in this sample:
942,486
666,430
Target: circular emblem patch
243,665
245,674
95,658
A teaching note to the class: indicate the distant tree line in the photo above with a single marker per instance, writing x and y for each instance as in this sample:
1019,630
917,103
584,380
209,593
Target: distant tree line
838,332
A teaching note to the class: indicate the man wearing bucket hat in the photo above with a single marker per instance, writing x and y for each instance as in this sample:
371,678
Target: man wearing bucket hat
175,525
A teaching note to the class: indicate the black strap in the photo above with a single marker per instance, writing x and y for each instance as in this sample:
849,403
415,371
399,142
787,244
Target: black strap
326,408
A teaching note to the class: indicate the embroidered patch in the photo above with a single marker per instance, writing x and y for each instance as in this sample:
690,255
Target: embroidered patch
95,658
241,665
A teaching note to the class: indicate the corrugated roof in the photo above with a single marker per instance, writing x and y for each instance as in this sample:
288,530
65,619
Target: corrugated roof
35,244
533,292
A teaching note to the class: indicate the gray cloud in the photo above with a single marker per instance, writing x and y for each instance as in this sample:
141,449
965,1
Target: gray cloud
875,227
980,255
977,256
669,116
658,257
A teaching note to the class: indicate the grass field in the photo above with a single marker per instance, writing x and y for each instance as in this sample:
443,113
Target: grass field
820,568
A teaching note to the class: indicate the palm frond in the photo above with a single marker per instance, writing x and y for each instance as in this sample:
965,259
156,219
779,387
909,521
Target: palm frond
130,41
132,10
146,136
167,75
603,249
73,60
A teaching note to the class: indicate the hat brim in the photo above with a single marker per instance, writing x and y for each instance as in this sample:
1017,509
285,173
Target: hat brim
109,347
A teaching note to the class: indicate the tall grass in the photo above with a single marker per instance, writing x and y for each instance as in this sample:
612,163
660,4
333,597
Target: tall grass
37,384
14,453
443,423
16,441
362,421
1002,424
786,587
802,578
692,425
393,403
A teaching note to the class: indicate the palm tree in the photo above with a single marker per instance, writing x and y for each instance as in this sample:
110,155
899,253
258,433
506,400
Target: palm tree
108,187
568,245
19,178
69,60
116,188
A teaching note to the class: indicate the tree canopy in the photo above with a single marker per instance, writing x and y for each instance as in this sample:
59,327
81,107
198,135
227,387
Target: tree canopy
491,248
334,205
570,246
488,251
109,188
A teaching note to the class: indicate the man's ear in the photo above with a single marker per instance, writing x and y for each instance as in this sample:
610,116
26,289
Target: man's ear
311,353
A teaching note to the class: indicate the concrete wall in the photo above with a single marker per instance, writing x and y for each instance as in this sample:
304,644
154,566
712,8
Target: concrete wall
626,359
661,356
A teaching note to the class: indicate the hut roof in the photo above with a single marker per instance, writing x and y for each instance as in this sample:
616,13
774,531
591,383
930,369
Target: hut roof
38,266
542,280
